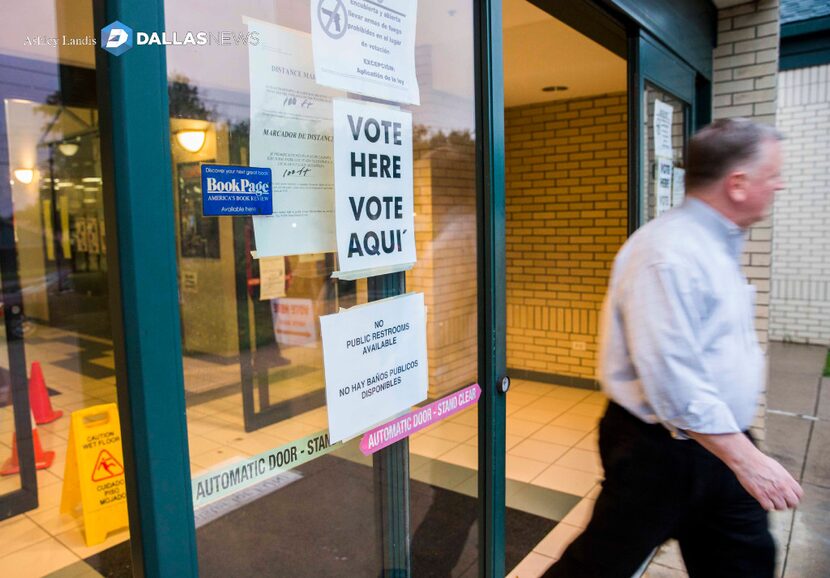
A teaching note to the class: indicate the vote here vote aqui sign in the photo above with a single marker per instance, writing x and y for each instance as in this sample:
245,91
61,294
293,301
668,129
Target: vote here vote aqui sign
374,206
375,361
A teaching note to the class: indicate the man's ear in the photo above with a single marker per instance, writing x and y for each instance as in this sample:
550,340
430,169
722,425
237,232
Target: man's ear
736,186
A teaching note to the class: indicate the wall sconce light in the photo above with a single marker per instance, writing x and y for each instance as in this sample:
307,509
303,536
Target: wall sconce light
191,140
24,176
68,149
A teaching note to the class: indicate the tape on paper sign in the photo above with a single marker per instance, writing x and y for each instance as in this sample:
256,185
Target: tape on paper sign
230,190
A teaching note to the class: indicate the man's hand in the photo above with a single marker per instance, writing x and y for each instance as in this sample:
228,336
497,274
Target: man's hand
765,479
769,483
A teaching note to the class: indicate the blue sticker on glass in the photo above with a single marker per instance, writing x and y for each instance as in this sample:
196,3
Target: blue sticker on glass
229,190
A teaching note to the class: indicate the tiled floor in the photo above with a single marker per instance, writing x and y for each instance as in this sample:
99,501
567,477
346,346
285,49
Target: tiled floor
552,460
555,427
45,540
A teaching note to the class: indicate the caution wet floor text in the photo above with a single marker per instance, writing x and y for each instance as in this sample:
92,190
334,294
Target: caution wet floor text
94,475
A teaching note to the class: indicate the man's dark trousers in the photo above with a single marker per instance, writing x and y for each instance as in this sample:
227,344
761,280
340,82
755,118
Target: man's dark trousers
657,487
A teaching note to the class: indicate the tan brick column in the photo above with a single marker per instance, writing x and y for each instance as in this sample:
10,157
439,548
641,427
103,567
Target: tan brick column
745,84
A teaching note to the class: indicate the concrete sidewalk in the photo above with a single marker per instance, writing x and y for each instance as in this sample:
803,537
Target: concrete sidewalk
798,436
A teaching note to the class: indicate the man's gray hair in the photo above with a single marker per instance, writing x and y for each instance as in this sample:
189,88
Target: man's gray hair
723,146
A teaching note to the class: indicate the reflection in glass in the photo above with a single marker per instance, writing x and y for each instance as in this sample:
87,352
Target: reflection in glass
53,263
252,352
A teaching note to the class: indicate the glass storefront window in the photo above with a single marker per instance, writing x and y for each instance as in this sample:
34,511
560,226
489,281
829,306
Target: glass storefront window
253,358
57,350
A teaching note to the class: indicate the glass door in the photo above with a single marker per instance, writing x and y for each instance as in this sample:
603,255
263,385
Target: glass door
258,86
667,104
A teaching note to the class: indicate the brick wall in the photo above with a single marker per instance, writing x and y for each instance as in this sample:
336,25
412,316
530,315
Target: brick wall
566,218
800,303
446,272
745,84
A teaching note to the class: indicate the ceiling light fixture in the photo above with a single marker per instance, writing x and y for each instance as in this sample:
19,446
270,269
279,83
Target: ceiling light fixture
24,176
191,140
68,149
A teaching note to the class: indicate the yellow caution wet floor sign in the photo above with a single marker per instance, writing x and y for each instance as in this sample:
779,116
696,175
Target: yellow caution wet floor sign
94,474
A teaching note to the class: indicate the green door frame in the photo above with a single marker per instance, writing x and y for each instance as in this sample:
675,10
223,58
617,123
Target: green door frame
492,322
136,161
135,147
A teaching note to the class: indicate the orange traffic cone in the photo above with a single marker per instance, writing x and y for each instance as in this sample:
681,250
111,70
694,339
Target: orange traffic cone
39,397
42,459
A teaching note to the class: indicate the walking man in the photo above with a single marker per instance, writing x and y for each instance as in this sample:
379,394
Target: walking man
681,365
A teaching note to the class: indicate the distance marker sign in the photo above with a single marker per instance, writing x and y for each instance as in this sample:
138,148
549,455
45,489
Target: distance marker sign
375,360
374,206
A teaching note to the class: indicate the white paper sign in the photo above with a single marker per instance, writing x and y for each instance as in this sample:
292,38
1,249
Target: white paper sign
291,134
294,322
366,47
678,187
271,277
374,202
663,188
662,129
375,360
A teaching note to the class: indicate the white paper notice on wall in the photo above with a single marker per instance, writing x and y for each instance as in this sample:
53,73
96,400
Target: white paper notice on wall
375,361
662,129
271,277
291,134
664,186
678,186
366,47
374,202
